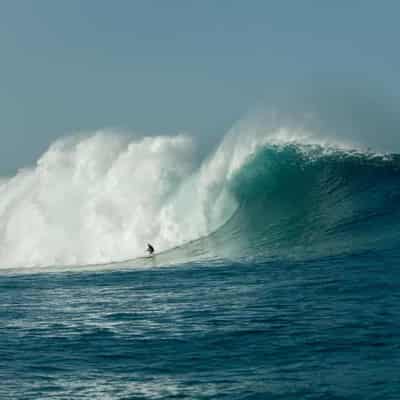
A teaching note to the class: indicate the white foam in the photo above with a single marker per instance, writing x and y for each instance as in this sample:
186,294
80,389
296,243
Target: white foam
102,197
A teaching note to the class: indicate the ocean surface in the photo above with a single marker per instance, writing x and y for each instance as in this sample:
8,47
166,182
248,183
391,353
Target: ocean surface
276,274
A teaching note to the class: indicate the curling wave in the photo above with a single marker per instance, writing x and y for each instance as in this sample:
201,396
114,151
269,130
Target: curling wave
265,191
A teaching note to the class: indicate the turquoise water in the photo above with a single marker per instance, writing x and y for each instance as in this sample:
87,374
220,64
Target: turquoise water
296,296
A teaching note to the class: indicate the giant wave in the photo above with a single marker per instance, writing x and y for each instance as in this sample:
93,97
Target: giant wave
268,190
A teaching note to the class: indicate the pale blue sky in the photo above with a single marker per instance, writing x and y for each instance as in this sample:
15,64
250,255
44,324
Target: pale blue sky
167,66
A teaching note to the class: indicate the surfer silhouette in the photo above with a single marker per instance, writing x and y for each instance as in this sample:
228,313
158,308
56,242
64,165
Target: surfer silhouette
150,249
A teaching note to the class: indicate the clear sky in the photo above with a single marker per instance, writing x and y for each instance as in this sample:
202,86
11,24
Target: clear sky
165,66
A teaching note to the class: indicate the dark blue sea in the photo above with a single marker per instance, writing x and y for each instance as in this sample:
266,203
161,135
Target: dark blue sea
296,296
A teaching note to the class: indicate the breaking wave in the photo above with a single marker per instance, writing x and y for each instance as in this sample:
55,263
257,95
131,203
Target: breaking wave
270,188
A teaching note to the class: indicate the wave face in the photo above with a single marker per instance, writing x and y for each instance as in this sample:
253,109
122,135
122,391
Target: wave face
305,201
266,191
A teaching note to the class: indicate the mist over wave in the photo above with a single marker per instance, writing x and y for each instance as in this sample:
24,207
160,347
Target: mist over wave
99,198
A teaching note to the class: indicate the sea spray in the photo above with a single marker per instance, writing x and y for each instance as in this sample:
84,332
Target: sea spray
91,199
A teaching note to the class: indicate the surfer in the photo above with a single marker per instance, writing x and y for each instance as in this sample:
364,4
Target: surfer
150,248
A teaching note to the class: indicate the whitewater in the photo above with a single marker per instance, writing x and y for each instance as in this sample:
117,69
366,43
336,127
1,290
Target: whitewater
101,197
